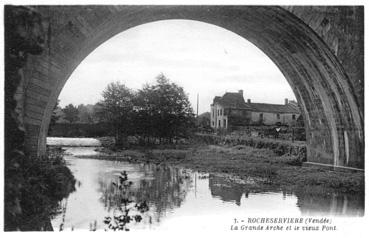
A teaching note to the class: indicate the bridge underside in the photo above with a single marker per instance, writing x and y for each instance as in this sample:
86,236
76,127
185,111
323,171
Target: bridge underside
307,44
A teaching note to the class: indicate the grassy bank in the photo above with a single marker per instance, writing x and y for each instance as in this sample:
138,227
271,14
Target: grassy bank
264,167
278,146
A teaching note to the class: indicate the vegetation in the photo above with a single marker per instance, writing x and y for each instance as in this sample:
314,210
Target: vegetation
203,122
116,108
70,113
86,114
126,209
267,169
158,112
279,147
38,184
163,111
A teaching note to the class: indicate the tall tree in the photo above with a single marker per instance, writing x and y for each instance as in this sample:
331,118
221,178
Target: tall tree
117,109
70,113
165,108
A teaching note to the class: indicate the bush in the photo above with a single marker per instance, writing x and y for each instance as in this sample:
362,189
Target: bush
33,189
279,148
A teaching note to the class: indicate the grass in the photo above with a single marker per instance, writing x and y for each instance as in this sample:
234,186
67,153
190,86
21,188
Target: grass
270,170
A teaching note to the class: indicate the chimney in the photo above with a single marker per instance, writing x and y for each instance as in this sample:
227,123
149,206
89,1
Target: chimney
249,100
240,92
286,101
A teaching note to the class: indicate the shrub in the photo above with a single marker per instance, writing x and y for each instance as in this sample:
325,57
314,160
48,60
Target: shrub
33,190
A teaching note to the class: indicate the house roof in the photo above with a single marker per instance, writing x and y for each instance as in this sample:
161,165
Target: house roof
236,100
232,100
276,108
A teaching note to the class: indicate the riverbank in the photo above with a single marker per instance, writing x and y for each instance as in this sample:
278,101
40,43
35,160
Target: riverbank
33,190
262,167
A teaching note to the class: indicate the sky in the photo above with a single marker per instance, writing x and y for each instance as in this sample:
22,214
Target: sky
202,58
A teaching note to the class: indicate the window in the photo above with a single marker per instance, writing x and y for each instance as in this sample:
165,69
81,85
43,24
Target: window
212,123
293,117
278,116
261,116
219,123
225,123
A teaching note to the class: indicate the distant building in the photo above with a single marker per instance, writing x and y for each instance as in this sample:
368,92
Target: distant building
232,110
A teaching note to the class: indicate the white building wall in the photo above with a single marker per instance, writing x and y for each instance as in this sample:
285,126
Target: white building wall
217,118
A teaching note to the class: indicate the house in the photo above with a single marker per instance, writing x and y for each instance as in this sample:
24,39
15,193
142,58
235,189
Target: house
232,110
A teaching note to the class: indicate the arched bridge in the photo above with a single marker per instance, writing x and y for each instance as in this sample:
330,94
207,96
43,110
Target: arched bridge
318,49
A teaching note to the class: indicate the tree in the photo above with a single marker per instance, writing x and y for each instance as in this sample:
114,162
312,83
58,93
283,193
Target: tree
85,113
203,120
164,109
117,109
98,115
70,113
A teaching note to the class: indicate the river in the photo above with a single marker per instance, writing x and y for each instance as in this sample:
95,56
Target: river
177,196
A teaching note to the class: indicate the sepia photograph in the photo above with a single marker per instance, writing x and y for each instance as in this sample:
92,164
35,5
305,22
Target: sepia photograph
229,118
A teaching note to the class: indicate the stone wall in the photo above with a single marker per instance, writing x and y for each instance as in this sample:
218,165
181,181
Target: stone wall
342,29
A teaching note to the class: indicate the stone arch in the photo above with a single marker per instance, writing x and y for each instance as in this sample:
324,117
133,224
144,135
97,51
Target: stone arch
333,119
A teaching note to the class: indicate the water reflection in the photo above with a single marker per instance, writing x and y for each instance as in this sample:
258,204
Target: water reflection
308,202
333,204
227,191
176,196
162,187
